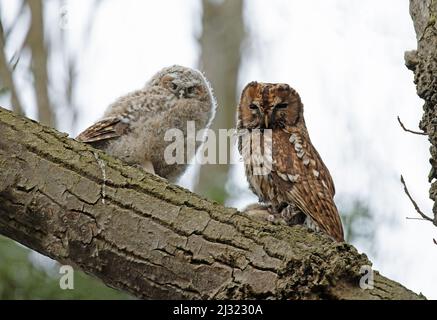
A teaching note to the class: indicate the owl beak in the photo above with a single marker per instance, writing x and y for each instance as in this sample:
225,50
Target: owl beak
266,120
181,93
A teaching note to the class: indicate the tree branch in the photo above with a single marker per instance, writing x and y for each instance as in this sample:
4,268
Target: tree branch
156,240
39,64
423,62
408,130
223,32
416,206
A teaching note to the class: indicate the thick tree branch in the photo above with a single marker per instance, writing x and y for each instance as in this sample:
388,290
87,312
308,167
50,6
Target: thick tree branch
423,62
157,240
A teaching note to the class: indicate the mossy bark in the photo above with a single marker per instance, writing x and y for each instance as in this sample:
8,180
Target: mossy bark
423,62
138,233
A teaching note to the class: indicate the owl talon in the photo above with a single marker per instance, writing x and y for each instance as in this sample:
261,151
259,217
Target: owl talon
148,166
258,211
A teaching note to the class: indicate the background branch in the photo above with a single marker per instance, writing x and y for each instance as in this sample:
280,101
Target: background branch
7,80
223,35
38,48
423,63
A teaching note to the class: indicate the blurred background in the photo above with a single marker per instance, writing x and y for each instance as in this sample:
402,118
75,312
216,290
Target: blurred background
62,62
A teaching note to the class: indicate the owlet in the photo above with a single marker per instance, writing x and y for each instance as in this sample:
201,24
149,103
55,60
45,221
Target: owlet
134,126
282,166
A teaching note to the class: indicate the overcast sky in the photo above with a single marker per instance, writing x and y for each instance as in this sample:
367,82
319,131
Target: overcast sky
344,57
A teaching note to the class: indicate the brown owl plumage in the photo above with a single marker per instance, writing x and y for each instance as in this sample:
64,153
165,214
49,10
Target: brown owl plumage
297,185
133,128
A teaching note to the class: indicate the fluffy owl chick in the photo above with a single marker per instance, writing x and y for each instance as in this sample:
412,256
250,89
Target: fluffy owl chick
296,185
134,126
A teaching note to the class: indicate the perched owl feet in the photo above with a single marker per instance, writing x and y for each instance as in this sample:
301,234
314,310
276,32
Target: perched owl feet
287,215
263,212
293,215
146,166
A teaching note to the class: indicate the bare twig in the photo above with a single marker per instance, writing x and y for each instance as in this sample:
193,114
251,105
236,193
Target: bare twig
410,131
411,218
424,216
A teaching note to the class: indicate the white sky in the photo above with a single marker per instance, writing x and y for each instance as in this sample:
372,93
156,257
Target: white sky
345,57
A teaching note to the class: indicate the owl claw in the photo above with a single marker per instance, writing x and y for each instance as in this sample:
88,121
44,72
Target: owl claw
271,218
257,211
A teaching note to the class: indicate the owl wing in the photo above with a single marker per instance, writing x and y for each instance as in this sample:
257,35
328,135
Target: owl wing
304,180
105,129
149,101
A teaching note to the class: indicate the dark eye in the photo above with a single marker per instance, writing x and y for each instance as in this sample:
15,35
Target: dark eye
190,90
253,106
281,106
174,86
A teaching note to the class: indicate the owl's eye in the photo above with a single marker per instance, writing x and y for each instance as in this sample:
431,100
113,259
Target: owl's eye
190,90
281,106
174,86
253,106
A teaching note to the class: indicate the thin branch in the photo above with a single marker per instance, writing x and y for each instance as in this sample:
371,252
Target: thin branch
424,216
411,218
410,131
6,75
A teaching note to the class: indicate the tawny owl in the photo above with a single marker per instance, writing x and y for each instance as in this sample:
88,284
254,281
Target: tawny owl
295,182
134,126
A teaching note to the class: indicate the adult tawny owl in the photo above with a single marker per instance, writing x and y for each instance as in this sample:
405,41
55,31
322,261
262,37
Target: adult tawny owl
134,126
295,182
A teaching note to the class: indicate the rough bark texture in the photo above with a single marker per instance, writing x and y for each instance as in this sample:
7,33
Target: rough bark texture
423,62
157,240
